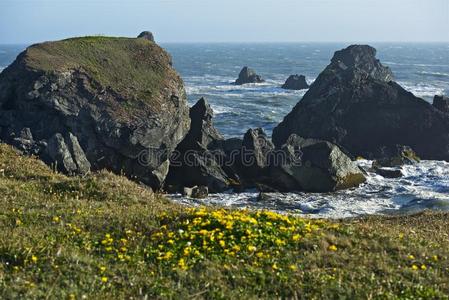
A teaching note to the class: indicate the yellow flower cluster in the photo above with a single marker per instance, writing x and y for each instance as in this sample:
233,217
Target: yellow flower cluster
255,236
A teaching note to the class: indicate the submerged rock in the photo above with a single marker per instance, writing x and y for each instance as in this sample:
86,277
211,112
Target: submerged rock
441,103
197,192
354,103
295,82
96,103
388,173
248,75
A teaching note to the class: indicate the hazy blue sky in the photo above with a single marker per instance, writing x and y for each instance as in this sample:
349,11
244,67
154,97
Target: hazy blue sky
25,21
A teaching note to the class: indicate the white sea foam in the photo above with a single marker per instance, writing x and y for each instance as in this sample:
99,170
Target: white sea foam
435,74
424,186
423,90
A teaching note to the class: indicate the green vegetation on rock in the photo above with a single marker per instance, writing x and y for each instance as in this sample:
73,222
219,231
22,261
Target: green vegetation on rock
134,68
102,236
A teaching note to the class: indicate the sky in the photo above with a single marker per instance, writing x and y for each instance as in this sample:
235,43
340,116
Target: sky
30,21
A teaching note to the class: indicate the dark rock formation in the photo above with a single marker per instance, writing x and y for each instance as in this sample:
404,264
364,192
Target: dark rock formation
388,173
354,103
248,75
295,82
200,158
396,156
95,103
441,103
315,166
148,35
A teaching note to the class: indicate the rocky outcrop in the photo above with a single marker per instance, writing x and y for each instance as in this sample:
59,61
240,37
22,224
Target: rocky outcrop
441,103
355,103
248,75
295,82
201,157
315,166
95,103
148,35
198,192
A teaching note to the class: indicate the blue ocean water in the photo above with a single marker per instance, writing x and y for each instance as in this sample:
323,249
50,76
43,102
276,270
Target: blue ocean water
209,69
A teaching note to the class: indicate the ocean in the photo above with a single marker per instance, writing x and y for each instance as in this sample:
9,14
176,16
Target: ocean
209,69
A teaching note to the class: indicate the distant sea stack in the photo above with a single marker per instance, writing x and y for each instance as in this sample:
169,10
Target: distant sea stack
95,103
248,75
295,82
355,103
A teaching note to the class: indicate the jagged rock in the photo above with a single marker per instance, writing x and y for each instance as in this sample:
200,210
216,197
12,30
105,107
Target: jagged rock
248,75
295,82
67,155
314,166
202,131
117,100
148,35
254,158
354,103
198,192
396,156
441,103
200,159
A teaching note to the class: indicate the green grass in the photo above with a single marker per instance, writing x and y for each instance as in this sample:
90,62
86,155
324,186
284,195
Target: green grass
102,236
136,69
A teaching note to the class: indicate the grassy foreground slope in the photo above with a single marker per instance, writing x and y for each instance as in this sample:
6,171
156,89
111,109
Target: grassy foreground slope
103,236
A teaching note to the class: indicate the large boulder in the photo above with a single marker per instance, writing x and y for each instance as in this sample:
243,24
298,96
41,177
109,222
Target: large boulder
295,82
201,158
355,103
248,75
312,165
96,102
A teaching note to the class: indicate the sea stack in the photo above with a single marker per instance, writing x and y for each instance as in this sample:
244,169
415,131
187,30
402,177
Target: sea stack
356,104
295,82
95,103
248,75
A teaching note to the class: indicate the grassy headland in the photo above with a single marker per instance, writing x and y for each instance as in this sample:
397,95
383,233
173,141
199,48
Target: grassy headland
102,236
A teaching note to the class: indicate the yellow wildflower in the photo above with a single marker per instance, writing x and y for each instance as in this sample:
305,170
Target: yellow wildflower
414,267
34,258
104,279
332,248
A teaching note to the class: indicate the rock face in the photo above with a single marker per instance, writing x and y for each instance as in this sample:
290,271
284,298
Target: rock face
396,156
354,103
441,103
148,35
295,82
93,103
248,75
200,158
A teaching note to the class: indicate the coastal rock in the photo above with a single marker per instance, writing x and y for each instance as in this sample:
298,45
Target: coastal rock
396,156
96,103
441,103
295,82
388,173
254,160
199,159
248,75
315,166
197,192
148,35
354,103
